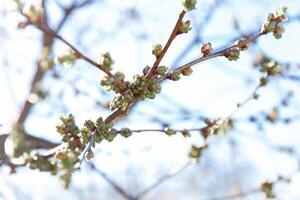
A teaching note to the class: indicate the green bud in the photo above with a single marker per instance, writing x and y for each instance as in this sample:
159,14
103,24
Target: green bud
67,58
108,83
233,53
196,152
175,75
161,70
110,135
263,81
189,4
120,76
267,188
243,44
157,50
185,27
100,122
89,155
89,124
126,132
106,61
170,131
187,71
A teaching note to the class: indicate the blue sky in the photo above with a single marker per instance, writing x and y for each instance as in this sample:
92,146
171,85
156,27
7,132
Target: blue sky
213,90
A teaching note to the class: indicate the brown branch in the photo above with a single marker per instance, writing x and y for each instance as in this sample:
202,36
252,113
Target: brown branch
39,74
173,35
31,141
197,38
121,112
210,56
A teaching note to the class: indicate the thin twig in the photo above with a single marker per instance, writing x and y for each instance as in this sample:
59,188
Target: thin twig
173,35
118,188
162,179
208,57
235,196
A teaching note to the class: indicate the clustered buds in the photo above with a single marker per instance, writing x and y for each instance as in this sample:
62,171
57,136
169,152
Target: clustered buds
75,140
273,23
140,88
196,152
144,88
67,58
206,49
267,188
189,4
185,27
78,141
106,61
157,50
66,160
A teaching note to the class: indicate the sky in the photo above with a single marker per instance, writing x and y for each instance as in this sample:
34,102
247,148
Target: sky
213,90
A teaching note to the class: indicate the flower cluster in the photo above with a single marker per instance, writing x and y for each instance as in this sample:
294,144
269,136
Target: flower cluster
75,141
273,23
140,88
